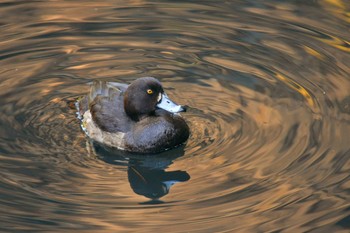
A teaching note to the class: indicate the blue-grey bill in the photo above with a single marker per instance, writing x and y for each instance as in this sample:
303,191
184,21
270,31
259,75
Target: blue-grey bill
170,183
168,105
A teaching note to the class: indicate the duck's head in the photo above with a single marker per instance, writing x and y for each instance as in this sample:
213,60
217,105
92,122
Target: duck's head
144,96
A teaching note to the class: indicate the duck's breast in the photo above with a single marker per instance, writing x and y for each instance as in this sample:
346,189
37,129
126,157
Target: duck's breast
155,134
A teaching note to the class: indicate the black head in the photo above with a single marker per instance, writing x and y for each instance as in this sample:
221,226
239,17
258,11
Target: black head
141,97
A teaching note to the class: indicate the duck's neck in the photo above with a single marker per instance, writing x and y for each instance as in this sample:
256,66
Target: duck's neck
139,117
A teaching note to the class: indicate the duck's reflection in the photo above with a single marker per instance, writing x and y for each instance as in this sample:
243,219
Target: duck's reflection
146,173
154,183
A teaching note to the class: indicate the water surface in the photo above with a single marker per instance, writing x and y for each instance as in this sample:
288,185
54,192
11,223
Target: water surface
268,87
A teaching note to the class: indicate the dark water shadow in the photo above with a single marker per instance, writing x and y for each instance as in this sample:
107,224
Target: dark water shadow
147,173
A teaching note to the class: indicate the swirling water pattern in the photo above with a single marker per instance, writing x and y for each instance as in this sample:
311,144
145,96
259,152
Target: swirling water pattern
268,87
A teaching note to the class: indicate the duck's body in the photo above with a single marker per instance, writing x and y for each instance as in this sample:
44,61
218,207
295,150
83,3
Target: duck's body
137,118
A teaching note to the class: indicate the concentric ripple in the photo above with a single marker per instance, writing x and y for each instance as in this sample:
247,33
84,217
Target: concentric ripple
267,85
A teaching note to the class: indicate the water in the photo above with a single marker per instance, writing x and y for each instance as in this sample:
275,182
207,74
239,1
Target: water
268,87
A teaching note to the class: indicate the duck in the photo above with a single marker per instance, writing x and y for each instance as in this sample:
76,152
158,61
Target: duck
138,117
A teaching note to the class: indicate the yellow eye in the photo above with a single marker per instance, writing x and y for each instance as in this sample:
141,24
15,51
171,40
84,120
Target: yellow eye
149,91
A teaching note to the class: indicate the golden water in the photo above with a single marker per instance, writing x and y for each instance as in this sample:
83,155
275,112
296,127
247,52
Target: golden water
268,85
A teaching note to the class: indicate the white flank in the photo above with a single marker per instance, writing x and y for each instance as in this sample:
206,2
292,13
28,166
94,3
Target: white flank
95,133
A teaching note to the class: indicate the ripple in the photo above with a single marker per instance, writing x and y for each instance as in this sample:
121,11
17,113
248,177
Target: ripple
267,88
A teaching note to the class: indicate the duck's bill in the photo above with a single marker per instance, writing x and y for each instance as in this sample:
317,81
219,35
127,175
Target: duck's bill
170,183
168,105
